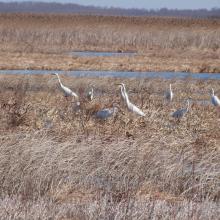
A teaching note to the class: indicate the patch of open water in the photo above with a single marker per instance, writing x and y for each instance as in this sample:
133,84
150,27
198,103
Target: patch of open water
123,74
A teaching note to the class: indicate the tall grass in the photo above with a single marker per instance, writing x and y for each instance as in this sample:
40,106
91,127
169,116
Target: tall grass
55,33
107,178
54,165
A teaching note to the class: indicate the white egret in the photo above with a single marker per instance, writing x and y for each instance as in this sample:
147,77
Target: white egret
214,99
66,90
169,94
131,107
180,112
122,88
90,94
106,113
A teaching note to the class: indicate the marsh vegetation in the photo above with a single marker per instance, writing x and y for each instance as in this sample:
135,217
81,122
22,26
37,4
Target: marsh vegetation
162,44
58,162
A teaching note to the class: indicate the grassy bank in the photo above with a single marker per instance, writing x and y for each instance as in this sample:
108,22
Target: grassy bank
61,163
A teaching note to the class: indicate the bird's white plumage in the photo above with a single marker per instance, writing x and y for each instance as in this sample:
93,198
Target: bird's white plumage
214,99
122,87
180,112
131,107
66,90
169,94
106,113
90,95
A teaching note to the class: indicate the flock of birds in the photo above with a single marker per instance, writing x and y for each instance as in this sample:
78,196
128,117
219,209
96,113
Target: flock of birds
108,112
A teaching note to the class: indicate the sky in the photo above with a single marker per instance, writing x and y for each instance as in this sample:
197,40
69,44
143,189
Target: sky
147,4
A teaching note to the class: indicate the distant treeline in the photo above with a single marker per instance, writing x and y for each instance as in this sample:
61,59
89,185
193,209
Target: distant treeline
43,7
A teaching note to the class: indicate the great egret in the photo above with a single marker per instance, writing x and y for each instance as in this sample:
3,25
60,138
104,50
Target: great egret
131,107
180,112
169,94
90,94
214,99
66,90
122,88
107,113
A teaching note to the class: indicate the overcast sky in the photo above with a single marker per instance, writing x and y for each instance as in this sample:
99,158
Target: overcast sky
148,4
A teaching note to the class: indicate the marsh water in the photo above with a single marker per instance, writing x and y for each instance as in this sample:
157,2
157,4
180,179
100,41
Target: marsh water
123,74
100,54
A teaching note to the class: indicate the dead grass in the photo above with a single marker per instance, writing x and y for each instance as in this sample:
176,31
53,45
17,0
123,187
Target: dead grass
162,44
155,60
64,164
59,32
105,209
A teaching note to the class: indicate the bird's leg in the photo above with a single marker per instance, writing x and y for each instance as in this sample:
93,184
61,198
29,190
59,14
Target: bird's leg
177,121
218,111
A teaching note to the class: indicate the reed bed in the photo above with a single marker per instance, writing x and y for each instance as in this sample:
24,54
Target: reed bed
60,162
55,33
30,41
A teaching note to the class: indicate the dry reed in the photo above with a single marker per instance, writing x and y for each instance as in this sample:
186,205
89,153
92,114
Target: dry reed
55,33
56,165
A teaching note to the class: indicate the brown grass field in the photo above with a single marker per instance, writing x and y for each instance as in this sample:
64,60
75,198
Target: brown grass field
58,162
30,41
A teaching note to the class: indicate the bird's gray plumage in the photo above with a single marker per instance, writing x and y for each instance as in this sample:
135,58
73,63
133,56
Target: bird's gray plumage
180,112
106,113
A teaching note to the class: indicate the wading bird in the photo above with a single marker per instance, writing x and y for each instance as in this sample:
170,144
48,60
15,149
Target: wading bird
180,112
131,107
106,113
214,99
90,94
169,94
122,88
66,90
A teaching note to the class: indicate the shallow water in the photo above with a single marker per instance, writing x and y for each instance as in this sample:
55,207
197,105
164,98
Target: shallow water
91,73
100,54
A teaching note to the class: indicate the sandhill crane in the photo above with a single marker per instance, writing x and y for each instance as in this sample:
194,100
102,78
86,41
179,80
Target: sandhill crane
214,99
66,90
169,94
131,107
106,113
180,112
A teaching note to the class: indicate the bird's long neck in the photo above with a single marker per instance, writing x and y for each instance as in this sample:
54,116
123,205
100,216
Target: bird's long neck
187,108
59,80
170,88
125,95
122,92
213,92
114,109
